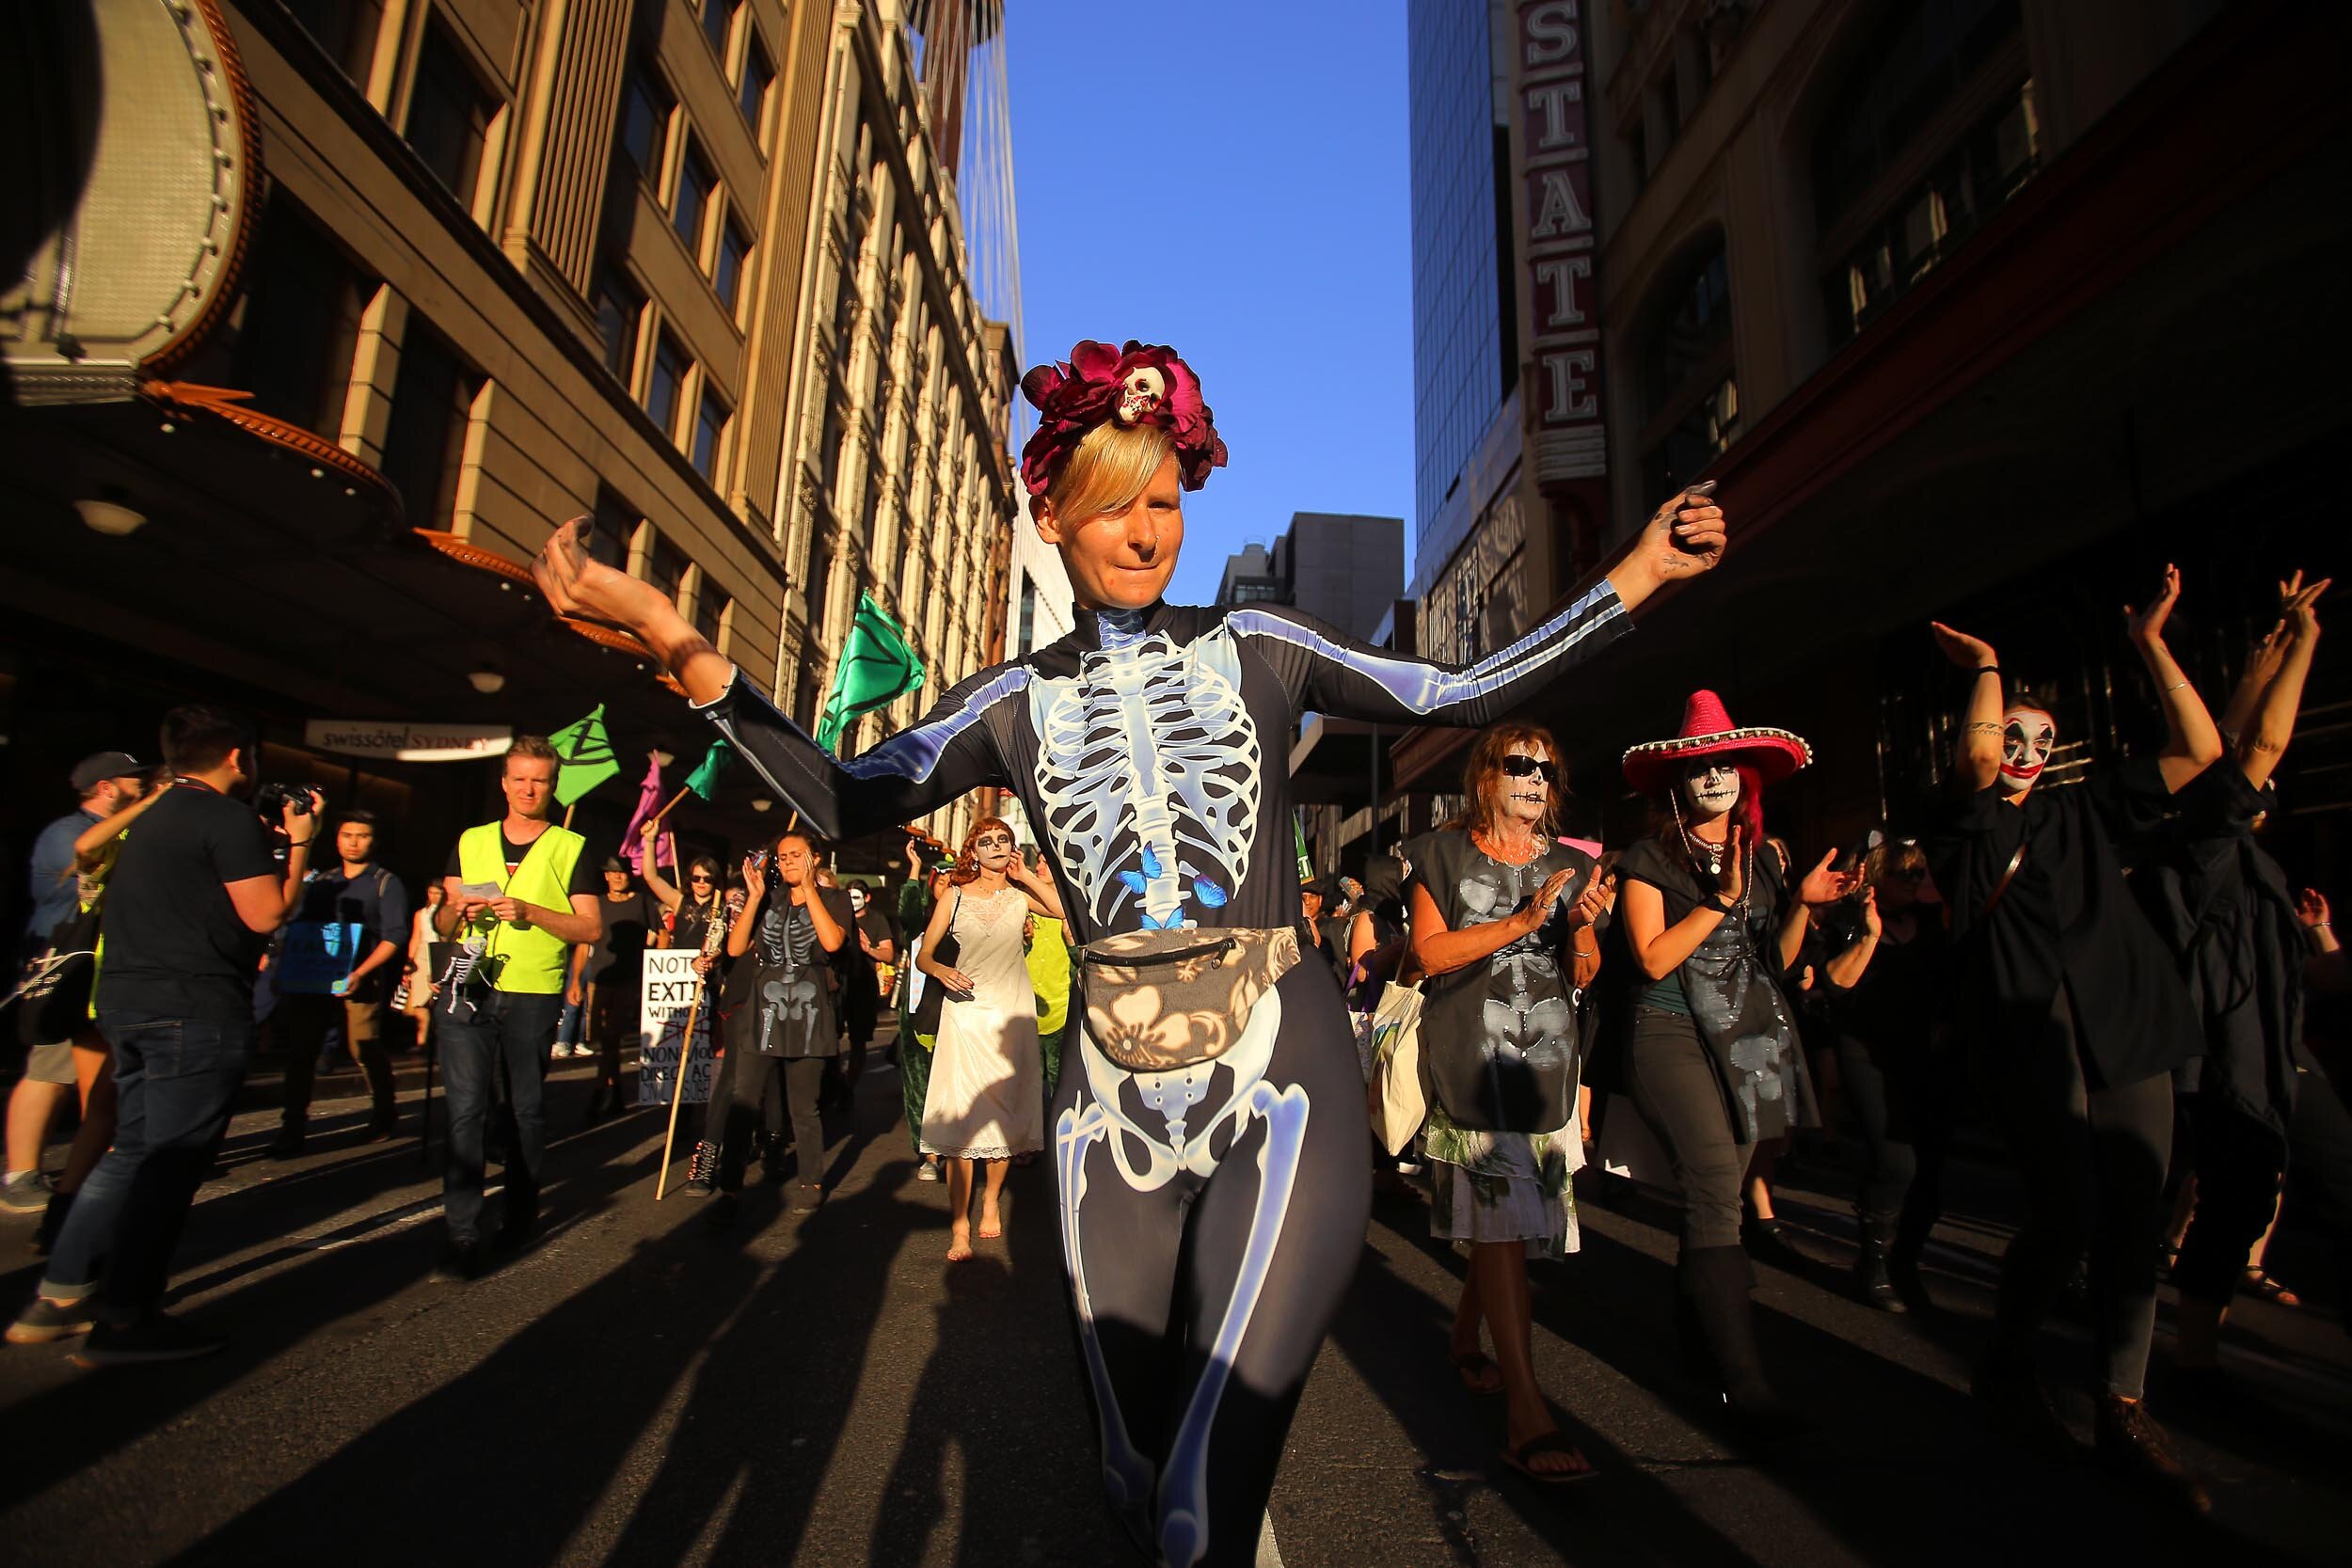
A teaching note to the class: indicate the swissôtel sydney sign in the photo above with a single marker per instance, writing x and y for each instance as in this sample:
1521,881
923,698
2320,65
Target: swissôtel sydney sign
400,740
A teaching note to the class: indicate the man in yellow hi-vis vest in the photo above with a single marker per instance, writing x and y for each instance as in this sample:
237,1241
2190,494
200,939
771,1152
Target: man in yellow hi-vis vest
522,894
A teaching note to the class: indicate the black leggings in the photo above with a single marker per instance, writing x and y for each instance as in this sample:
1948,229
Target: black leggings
2093,1163
800,1079
1199,1315
1678,1092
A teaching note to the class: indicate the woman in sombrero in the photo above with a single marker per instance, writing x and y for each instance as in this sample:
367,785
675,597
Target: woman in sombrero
1697,1030
1208,1148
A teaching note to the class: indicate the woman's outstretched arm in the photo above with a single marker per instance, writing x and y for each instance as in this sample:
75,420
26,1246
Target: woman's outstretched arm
948,753
1327,672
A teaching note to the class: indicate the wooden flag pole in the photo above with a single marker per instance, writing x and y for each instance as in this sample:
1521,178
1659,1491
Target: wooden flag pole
678,1089
673,805
712,937
568,813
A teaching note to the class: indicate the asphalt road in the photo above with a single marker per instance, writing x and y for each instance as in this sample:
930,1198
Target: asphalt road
823,1390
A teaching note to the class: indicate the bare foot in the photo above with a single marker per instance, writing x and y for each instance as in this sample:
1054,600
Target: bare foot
991,1225
959,1241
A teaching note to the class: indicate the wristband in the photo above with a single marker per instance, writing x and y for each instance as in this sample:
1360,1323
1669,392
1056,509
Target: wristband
299,843
1988,669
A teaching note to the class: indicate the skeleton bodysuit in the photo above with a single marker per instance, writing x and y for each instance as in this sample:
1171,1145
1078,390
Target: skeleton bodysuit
1149,748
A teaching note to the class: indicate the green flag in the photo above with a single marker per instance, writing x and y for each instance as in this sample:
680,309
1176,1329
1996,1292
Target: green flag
877,667
587,755
1298,835
705,778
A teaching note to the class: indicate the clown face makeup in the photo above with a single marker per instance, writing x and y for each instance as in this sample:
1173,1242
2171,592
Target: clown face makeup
2028,734
1711,788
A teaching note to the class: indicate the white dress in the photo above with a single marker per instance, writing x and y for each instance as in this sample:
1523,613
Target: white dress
987,1096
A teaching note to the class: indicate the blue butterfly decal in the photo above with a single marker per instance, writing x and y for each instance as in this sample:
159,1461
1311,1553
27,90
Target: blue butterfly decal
1134,881
1209,892
1151,861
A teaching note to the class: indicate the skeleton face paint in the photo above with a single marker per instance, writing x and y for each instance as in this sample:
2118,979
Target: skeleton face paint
992,850
1526,790
1712,788
2027,736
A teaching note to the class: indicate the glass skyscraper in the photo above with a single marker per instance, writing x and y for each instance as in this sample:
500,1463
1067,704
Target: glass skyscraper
1464,316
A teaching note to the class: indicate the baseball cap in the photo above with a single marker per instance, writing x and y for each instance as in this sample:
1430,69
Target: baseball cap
96,769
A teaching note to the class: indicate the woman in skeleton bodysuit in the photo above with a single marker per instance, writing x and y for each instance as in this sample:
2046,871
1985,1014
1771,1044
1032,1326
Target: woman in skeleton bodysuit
1212,1214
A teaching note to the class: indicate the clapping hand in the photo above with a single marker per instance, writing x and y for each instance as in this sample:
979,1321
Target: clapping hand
1600,893
2146,625
1870,919
2311,909
1825,884
755,876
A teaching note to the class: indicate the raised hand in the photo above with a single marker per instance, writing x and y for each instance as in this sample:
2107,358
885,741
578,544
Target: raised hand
1540,907
755,876
1592,902
1965,652
2300,610
2311,909
1734,879
2146,625
1825,884
578,584
1686,536
1870,921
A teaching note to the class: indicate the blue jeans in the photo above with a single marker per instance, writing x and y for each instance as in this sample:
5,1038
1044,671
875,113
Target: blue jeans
176,1082
499,1056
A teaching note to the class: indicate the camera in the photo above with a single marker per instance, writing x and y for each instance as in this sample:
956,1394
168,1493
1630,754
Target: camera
272,799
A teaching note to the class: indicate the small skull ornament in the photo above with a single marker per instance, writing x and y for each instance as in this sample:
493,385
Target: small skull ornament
1140,393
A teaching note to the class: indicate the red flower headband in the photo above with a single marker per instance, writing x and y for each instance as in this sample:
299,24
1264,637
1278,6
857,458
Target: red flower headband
1142,383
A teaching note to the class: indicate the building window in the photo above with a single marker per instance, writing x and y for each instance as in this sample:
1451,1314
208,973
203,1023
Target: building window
1897,190
665,566
718,22
300,323
1026,640
346,29
612,529
424,445
758,76
734,250
694,182
710,612
663,386
1690,388
645,122
449,114
710,430
619,308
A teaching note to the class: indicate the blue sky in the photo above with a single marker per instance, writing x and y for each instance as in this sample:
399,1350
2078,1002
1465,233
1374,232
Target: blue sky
1230,179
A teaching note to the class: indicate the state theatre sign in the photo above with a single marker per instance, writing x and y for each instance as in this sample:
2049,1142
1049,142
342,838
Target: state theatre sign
1567,438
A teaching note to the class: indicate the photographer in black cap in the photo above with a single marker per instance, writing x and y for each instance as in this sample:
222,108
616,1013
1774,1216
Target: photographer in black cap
193,893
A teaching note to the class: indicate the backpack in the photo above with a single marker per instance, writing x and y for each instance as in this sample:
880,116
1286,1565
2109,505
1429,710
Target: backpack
52,999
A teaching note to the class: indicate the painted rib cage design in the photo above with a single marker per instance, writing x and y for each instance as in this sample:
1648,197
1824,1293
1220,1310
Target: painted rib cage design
1149,773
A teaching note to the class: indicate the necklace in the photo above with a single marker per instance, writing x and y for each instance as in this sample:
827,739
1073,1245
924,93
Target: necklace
1494,848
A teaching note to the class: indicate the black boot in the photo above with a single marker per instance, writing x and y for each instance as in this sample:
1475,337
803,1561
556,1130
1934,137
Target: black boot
2019,1407
1872,1284
1716,1281
2138,1450
1767,1242
702,1170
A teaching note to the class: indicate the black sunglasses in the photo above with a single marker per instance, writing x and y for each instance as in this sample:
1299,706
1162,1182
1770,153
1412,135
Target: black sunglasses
1520,767
698,876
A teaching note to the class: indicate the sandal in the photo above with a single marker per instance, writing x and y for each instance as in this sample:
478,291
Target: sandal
1472,1364
1543,1443
2256,1282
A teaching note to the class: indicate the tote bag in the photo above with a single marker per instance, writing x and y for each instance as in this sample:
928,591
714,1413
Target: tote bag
1398,1102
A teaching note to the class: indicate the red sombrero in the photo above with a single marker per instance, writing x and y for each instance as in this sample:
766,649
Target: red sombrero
1707,732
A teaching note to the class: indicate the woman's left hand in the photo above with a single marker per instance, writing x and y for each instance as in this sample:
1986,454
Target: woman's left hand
2146,627
1594,902
1824,884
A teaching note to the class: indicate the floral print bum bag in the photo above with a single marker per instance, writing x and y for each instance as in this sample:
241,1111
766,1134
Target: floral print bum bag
1159,1000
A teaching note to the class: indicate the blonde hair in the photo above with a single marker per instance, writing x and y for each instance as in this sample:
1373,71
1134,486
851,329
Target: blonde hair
1106,470
1485,785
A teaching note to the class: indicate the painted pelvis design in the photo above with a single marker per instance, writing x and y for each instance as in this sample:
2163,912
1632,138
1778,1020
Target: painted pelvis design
1149,773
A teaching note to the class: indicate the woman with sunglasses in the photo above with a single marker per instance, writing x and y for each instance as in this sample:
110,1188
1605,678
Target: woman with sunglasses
693,908
985,1103
1502,921
1209,1165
